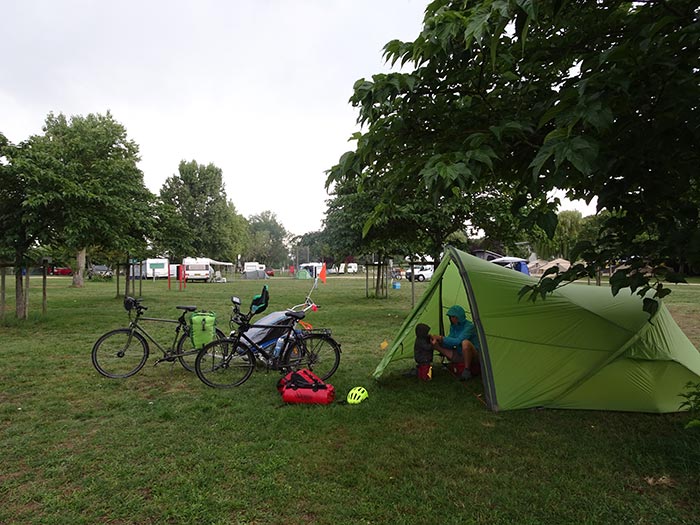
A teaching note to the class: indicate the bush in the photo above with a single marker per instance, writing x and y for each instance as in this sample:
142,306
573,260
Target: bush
692,403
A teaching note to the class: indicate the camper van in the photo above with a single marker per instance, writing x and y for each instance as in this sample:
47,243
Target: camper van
313,268
155,268
151,268
348,268
198,269
253,267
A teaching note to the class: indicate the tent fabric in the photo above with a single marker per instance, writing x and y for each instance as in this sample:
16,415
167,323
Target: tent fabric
579,348
254,274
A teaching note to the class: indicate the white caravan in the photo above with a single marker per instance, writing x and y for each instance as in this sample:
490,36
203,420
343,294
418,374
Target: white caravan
253,267
155,268
204,269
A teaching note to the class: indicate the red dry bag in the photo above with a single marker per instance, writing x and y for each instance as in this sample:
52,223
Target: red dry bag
303,386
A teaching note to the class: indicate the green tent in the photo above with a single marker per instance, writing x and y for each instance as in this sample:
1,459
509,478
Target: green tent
578,348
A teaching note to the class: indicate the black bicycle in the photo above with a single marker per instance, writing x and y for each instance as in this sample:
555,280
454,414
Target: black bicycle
229,362
123,352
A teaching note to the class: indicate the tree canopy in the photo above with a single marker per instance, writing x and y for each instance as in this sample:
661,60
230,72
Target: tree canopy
81,187
268,240
194,217
599,99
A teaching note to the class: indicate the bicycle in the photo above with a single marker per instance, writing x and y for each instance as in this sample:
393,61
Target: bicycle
123,352
229,362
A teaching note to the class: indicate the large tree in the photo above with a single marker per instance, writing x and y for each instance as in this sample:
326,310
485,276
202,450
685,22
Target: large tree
596,98
82,186
17,233
268,240
195,219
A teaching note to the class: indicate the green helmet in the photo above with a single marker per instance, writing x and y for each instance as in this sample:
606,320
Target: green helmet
357,395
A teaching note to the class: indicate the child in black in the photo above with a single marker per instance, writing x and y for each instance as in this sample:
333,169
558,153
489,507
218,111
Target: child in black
423,348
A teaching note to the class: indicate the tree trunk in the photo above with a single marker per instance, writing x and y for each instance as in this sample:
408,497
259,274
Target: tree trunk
79,270
3,273
20,305
26,292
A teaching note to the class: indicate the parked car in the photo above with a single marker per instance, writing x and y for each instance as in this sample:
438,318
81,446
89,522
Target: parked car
422,273
100,270
270,272
61,270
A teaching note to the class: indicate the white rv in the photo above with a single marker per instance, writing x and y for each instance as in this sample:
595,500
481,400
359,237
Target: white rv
198,269
149,269
156,268
313,268
205,269
253,267
349,268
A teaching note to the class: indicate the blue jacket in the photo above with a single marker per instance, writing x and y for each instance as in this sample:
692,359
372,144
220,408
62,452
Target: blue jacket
464,329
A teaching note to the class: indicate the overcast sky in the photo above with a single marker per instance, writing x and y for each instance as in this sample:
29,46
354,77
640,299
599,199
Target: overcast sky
258,88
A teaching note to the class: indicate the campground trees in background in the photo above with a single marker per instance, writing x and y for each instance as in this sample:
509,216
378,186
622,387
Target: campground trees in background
268,240
344,230
596,98
415,221
566,235
85,180
194,218
76,187
17,234
311,247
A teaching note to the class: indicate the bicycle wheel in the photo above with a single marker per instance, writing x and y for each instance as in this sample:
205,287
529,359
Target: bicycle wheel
120,353
317,352
187,353
224,363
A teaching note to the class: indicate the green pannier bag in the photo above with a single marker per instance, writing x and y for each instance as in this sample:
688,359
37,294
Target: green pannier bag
202,328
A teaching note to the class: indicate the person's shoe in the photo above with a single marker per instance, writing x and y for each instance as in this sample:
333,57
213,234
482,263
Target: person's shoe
466,375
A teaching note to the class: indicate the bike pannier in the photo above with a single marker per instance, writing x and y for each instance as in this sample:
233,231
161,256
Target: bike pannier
202,328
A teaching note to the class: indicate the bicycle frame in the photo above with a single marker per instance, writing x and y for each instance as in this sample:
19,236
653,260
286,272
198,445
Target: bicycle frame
271,360
252,343
168,353
134,326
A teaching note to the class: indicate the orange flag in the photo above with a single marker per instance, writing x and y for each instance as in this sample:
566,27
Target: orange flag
322,275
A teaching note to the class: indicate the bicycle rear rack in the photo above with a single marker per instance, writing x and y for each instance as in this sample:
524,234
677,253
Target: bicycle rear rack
317,331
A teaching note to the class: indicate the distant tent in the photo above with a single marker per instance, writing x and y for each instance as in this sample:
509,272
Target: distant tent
562,264
255,274
580,348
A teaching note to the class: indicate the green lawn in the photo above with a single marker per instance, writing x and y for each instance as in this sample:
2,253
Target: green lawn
161,447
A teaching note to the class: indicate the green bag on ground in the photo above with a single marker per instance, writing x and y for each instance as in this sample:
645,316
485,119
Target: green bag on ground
202,328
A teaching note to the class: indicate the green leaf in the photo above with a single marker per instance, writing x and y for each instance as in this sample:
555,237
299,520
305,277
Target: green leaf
527,289
553,270
548,222
477,26
618,281
693,423
675,277
651,306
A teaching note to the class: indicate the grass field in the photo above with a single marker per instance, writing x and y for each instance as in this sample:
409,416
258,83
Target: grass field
161,447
